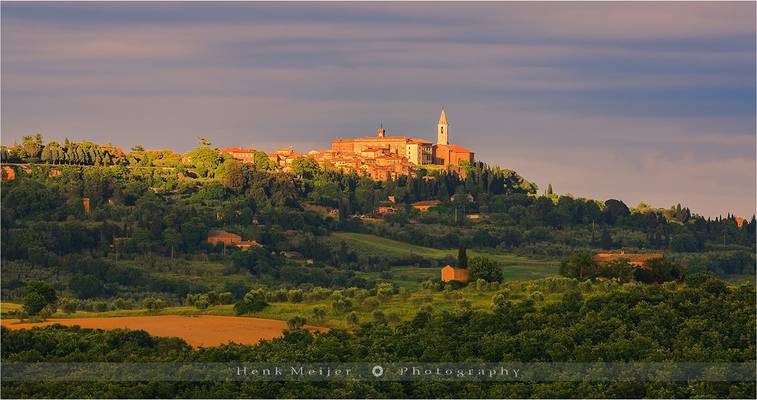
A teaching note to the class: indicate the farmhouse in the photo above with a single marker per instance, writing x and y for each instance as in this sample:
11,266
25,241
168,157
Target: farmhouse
423,206
384,210
635,259
247,244
227,238
450,273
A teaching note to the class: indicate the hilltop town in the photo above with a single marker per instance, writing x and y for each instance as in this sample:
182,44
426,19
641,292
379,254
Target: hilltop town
381,156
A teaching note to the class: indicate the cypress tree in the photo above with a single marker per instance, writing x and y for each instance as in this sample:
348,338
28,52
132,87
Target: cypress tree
462,257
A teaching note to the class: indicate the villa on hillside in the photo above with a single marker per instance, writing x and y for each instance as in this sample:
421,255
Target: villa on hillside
246,156
245,245
425,205
216,236
636,259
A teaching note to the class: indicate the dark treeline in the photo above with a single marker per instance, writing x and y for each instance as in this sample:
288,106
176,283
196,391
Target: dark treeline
700,321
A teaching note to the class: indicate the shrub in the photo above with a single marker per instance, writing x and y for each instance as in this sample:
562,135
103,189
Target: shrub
370,303
379,317
122,304
485,268
393,317
101,306
319,313
341,305
37,296
202,302
225,298
296,322
384,291
500,300
295,296
69,306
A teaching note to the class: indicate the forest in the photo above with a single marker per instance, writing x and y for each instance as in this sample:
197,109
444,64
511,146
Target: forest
93,229
702,320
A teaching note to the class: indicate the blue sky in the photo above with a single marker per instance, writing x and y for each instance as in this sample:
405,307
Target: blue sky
643,101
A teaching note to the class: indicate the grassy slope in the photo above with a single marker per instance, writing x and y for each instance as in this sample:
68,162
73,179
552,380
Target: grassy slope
515,267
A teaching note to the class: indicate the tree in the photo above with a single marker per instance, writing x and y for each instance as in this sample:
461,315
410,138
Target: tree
86,286
352,318
305,167
32,146
172,238
262,162
549,190
462,257
614,210
486,269
661,270
579,265
233,176
142,240
605,241
37,296
137,147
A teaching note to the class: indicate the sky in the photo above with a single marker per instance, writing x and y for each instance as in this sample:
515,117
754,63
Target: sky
644,101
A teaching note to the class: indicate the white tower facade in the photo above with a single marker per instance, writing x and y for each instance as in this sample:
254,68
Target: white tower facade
442,129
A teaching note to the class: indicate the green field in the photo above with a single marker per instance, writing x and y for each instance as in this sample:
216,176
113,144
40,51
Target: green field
400,307
514,267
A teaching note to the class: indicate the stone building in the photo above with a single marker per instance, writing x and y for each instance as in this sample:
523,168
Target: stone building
246,156
635,259
450,273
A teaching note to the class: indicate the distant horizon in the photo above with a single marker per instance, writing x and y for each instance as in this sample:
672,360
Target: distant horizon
641,102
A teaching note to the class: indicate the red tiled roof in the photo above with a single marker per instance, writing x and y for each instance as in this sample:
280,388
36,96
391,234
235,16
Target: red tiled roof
454,147
418,141
425,203
237,150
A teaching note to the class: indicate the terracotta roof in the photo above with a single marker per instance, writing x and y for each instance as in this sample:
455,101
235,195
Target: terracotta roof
418,141
455,147
631,257
237,150
425,203
220,233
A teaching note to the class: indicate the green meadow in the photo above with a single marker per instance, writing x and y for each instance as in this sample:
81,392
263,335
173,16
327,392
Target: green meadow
514,267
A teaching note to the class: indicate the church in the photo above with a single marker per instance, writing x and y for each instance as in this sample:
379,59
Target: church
415,150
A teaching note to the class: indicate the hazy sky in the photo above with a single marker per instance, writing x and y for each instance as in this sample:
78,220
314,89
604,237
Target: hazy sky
649,102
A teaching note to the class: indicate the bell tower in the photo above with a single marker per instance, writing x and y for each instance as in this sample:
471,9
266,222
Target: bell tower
442,129
381,132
